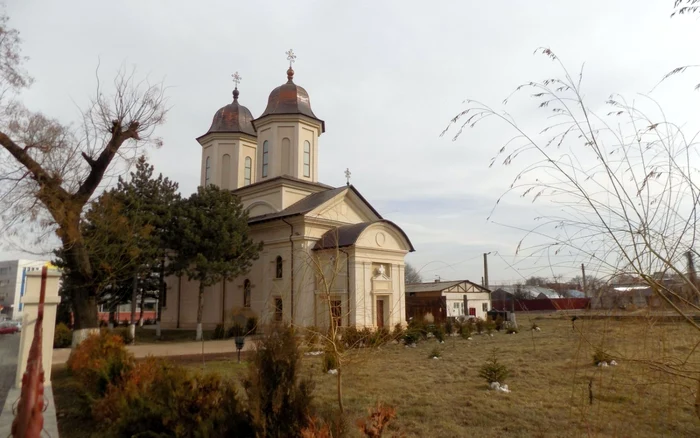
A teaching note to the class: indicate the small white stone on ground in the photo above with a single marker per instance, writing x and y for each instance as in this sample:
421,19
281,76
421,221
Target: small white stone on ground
442,342
469,339
602,364
435,357
613,363
334,371
313,353
495,385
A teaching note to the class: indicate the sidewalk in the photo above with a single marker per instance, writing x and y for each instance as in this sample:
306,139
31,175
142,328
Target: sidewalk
60,355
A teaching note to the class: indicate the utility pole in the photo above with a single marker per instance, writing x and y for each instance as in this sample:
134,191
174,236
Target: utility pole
486,271
583,275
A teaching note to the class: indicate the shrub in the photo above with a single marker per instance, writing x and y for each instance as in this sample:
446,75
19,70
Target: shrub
439,333
378,418
489,325
435,353
219,332
512,330
62,336
449,326
158,398
330,360
493,371
601,356
465,330
480,325
100,360
411,337
235,330
279,401
251,325
398,331
122,332
499,323
379,337
312,335
534,326
352,337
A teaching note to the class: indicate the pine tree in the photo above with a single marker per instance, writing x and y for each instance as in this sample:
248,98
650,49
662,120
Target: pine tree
211,241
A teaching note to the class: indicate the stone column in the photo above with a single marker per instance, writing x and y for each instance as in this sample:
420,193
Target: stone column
30,301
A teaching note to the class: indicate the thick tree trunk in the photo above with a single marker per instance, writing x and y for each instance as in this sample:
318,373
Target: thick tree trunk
143,299
86,320
200,311
132,322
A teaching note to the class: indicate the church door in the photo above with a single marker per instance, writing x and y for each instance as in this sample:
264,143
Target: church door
380,313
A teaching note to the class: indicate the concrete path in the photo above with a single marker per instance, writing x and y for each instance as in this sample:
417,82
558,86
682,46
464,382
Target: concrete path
9,350
167,349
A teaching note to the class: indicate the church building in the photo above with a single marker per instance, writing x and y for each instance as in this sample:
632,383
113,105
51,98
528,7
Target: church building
327,252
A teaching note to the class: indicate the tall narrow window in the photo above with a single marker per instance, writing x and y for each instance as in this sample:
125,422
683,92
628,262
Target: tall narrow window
246,293
207,172
265,158
278,309
247,171
278,267
307,159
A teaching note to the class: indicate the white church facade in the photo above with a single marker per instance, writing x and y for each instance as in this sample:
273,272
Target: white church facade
327,252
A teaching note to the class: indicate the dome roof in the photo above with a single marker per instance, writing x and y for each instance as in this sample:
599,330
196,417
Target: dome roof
234,117
290,98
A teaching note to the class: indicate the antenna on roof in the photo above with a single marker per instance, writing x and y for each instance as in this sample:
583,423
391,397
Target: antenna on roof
347,176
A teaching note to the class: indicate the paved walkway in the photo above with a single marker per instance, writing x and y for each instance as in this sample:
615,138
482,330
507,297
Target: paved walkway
167,349
9,350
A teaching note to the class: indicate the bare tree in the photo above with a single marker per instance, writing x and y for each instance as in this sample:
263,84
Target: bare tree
411,275
50,171
625,187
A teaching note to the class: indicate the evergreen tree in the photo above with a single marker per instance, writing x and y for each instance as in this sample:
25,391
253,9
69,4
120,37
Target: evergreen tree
210,240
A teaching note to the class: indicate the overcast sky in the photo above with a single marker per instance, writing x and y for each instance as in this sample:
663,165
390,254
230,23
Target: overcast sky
386,76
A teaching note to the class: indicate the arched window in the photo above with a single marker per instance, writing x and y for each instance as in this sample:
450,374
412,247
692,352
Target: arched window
246,293
226,172
278,267
207,172
247,171
265,158
307,159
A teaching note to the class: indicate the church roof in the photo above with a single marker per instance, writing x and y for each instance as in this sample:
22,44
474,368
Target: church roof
308,204
233,118
290,98
347,235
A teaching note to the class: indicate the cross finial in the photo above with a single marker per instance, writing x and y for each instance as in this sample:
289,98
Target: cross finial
347,176
291,57
236,79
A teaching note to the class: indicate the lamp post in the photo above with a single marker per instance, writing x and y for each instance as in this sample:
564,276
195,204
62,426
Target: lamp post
240,341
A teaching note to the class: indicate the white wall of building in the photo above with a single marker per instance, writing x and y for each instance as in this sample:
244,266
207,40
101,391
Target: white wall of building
12,283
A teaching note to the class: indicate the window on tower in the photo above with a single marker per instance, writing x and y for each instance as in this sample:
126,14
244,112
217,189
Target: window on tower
307,159
278,267
207,172
265,158
247,171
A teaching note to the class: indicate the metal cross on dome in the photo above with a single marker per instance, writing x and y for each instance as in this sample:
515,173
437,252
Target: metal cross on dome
347,176
236,79
291,57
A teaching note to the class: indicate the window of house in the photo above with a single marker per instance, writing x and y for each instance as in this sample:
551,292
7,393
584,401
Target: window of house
4,271
207,171
485,307
472,311
265,158
337,313
248,171
246,293
307,159
278,309
278,267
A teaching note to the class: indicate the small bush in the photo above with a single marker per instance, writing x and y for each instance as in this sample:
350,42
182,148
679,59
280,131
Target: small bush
601,356
235,330
449,327
312,336
330,361
158,398
122,332
62,336
534,326
251,325
100,360
465,330
378,418
352,337
439,333
499,323
512,330
379,337
493,371
411,337
398,331
489,325
278,399
219,332
480,325
435,353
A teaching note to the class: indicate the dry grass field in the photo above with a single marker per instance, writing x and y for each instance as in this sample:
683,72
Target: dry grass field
550,374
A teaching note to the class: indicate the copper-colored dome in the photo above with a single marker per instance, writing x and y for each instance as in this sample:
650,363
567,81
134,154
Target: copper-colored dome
233,118
290,98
